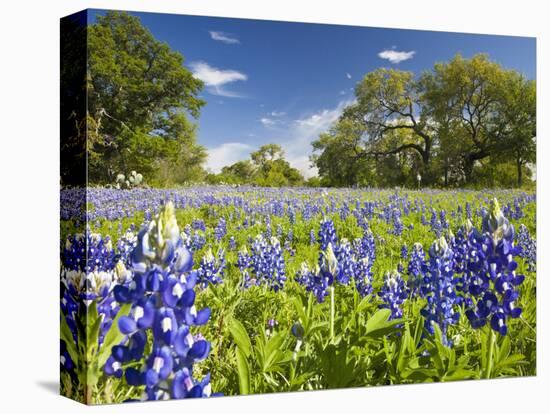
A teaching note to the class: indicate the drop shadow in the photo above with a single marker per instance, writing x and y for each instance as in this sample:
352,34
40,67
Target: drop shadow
50,386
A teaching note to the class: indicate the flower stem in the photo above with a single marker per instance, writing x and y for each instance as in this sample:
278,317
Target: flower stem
490,356
332,313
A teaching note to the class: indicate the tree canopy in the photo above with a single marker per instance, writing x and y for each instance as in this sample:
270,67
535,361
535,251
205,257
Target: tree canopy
266,167
141,103
458,124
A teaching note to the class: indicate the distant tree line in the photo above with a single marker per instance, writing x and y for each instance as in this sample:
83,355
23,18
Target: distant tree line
466,122
266,167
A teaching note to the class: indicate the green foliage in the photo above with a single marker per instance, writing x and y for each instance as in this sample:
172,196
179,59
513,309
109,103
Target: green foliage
266,167
140,97
462,123
88,357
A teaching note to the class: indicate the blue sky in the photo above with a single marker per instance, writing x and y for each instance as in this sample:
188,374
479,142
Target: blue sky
286,82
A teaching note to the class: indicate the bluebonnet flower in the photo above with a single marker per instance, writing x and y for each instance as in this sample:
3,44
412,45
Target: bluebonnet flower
364,256
198,224
314,281
345,262
393,293
494,277
328,264
193,242
279,231
312,239
468,209
466,260
443,219
288,243
90,270
397,224
423,219
125,245
416,269
243,263
439,289
211,269
266,263
404,252
88,252
344,211
435,224
147,215
290,236
318,279
291,215
327,233
518,211
162,297
365,246
232,243
221,229
268,232
363,275
528,247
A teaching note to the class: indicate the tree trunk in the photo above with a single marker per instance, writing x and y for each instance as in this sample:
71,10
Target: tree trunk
469,162
520,172
468,169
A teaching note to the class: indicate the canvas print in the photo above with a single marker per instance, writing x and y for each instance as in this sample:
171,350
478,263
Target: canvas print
252,207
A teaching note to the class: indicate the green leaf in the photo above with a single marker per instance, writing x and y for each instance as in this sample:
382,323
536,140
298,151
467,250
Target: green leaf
93,324
243,371
113,336
240,336
515,359
67,336
380,325
273,353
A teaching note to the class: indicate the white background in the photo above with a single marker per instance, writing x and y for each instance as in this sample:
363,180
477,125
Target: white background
29,235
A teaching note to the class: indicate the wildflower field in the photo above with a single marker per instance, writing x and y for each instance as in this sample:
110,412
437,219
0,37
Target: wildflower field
205,291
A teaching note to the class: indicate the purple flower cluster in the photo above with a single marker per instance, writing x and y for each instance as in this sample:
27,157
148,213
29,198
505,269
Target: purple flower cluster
393,293
314,281
340,263
264,264
221,229
438,288
528,247
90,270
193,241
163,307
416,269
211,269
494,280
327,233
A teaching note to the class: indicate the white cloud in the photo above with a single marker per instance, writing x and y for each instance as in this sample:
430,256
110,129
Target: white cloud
267,122
296,142
224,37
304,131
343,92
395,56
348,75
227,154
321,120
215,78
277,114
